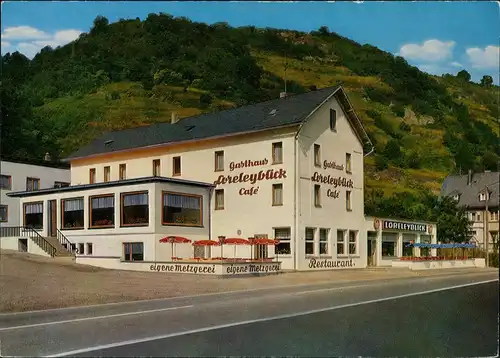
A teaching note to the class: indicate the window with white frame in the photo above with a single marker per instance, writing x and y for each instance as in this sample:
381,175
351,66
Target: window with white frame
310,240
341,242
353,242
284,235
324,248
89,248
483,196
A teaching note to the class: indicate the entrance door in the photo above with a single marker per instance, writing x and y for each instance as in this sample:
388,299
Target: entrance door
52,218
260,251
371,247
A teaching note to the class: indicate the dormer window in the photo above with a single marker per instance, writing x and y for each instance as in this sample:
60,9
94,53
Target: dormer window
333,120
456,197
483,196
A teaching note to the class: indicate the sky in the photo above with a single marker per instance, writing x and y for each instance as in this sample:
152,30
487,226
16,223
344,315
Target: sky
437,37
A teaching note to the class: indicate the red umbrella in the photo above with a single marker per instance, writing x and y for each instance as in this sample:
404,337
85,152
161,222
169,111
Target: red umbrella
265,242
175,240
236,241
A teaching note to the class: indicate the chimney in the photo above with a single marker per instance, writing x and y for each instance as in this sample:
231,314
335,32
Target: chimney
282,94
47,157
175,118
469,177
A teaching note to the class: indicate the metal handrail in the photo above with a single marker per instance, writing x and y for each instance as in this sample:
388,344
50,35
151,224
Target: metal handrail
64,241
39,240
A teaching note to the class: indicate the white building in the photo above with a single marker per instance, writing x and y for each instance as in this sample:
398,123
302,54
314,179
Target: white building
27,176
288,169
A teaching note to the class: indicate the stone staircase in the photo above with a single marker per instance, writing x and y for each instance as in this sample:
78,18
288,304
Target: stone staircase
61,251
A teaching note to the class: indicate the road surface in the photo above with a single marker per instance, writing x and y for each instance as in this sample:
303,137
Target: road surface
454,315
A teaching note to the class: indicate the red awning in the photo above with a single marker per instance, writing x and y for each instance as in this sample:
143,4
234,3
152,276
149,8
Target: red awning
265,242
236,241
206,243
175,240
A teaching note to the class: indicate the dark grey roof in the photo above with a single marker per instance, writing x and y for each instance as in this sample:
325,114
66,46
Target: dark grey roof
109,184
37,162
469,194
289,111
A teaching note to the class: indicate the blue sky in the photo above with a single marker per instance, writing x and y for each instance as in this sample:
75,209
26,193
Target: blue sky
438,37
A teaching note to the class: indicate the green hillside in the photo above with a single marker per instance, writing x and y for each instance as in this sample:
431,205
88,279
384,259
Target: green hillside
134,73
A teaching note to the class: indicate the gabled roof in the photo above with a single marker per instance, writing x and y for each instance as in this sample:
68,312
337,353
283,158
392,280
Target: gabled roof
279,113
469,194
109,184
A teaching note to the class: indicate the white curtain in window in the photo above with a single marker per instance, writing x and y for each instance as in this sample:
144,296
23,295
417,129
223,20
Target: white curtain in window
309,234
278,194
34,208
278,153
73,204
181,201
103,202
282,234
135,199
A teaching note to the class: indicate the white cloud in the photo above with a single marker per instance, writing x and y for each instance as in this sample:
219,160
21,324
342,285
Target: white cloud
456,64
33,40
5,46
484,58
23,33
430,50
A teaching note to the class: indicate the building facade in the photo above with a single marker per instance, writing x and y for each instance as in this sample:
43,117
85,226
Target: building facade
26,176
479,193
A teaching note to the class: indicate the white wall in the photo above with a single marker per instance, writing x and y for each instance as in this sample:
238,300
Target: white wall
332,214
19,172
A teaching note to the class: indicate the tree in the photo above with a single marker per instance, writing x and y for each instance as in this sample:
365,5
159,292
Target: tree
323,30
486,81
452,221
100,25
463,75
392,150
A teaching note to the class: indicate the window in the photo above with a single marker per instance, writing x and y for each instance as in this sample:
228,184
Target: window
309,241
277,194
277,153
478,217
348,206
219,161
4,213
317,195
176,166
123,171
133,251
92,175
284,235
494,215
348,168
340,242
456,197
317,155
60,184
388,248
353,241
156,168
182,209
107,174
219,199
102,211
202,252
333,119
89,248
323,241
81,248
33,215
134,209
72,213
32,184
5,182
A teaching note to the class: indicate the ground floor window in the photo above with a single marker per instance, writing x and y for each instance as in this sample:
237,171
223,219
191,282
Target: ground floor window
202,252
407,247
353,242
284,235
425,251
135,209
260,252
182,209
309,240
33,215
102,211
389,244
89,248
81,248
323,241
72,213
341,242
133,251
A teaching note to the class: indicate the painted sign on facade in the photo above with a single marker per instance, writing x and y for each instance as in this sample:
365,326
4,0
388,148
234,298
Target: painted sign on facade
332,180
252,268
332,165
404,226
329,263
184,268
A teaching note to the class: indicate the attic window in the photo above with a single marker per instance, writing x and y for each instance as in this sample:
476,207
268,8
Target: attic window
482,196
456,197
108,142
333,120
189,128
273,112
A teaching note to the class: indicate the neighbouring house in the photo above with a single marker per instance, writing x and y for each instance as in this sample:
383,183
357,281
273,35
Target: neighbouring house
479,193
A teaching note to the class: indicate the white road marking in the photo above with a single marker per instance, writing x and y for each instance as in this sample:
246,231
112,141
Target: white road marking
211,328
91,318
327,289
374,281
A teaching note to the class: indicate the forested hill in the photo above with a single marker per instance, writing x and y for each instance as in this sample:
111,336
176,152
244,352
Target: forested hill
134,72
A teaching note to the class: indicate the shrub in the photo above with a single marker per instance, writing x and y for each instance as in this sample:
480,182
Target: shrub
205,100
381,162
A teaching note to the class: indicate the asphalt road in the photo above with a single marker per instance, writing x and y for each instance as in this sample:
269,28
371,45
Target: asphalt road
432,316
